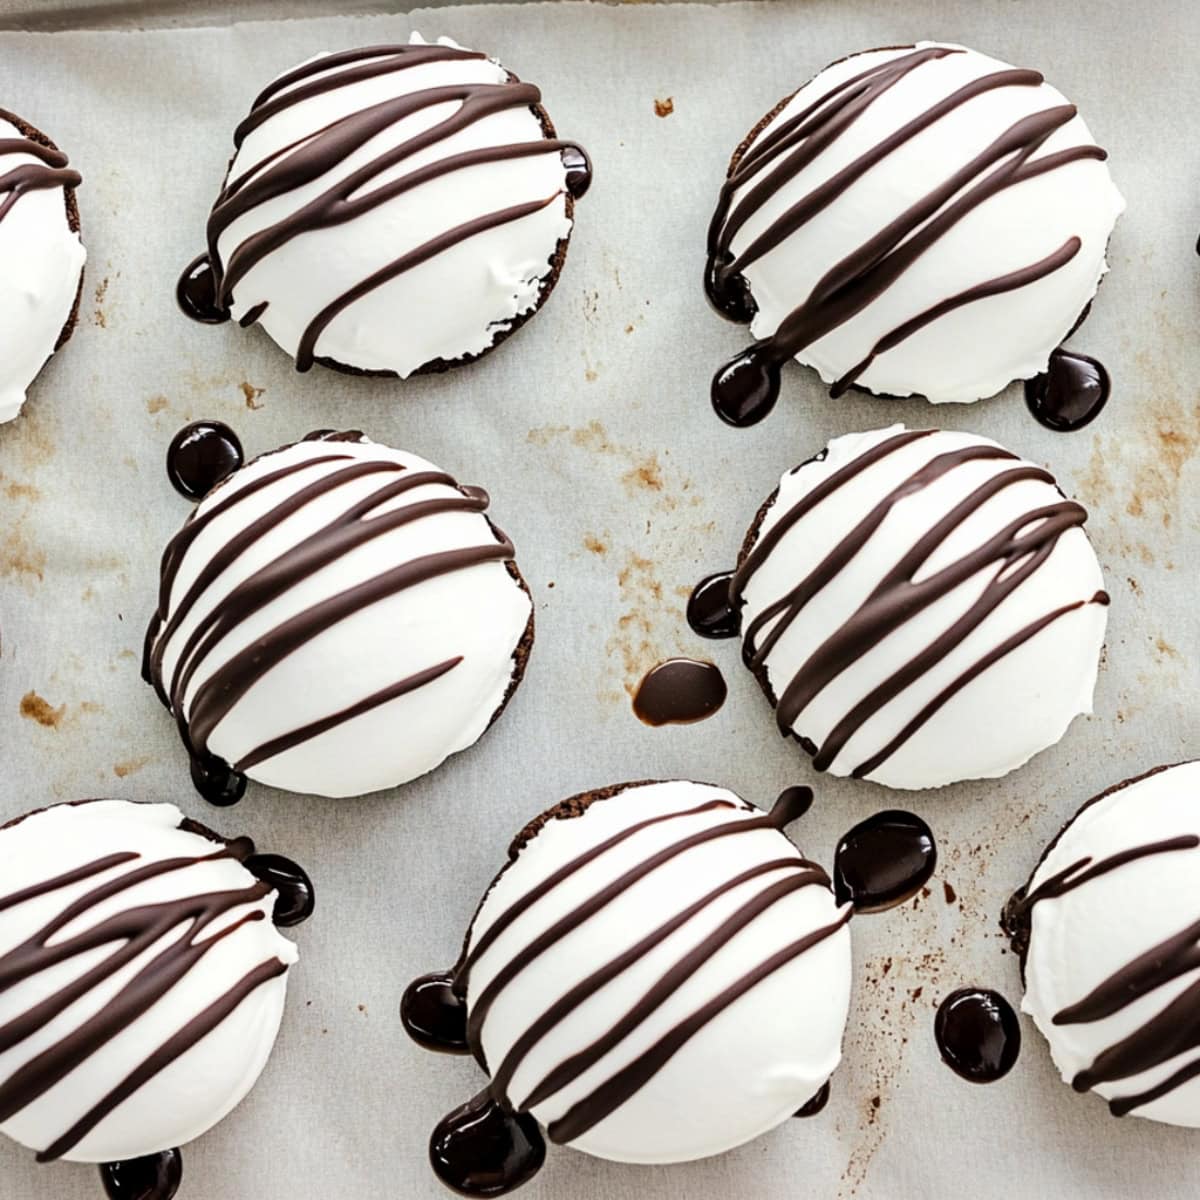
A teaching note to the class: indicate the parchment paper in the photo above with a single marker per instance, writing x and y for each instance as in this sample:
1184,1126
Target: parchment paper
593,433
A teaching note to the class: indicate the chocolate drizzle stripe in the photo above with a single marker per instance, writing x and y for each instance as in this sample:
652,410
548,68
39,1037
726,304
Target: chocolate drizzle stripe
50,171
485,940
868,272
571,1000
384,696
1174,1029
358,523
1017,551
973,672
1011,282
481,1005
607,1098
312,156
306,351
165,1055
130,933
574,1067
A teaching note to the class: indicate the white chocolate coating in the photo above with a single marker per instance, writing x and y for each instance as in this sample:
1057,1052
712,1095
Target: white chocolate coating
997,720
1083,937
42,261
756,1061
447,307
477,613
207,1081
976,349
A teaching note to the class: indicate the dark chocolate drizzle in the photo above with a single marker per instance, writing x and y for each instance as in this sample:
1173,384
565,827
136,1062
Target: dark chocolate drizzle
127,935
295,897
815,1105
200,456
355,526
709,612
679,691
206,290
978,1034
1017,552
155,1177
1173,1030
883,861
50,171
447,991
1071,392
483,1149
746,388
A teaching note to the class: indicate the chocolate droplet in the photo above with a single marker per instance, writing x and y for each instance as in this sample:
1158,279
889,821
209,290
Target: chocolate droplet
679,691
579,170
434,1015
729,294
791,804
745,389
883,861
295,897
481,1150
196,293
978,1034
814,1106
200,456
709,611
1070,394
217,781
155,1177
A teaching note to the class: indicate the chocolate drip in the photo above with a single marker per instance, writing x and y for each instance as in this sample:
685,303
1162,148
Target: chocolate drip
883,861
679,691
128,935
817,1104
196,293
308,159
1070,394
200,456
433,1004
295,896
1017,552
211,701
978,1034
1173,1030
482,1149
433,1012
709,611
216,781
155,1177
50,171
745,390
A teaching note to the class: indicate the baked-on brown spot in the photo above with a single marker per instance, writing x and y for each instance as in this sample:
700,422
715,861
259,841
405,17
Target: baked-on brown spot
949,892
593,545
72,205
34,708
664,108
130,767
645,475
251,393
156,404
98,314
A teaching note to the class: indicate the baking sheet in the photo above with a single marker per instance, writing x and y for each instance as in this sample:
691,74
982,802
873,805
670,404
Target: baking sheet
592,431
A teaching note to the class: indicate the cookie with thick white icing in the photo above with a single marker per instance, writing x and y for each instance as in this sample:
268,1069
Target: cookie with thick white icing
657,975
337,617
390,210
1107,929
41,253
921,607
920,219
142,978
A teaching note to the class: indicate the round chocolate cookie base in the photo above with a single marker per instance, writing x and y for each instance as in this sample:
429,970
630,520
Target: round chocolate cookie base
72,206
